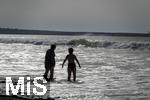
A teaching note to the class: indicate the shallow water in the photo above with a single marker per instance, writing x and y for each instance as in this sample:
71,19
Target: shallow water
106,74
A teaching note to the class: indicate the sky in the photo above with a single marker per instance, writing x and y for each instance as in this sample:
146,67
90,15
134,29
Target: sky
76,15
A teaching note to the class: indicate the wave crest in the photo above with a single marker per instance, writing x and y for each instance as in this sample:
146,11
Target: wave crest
110,44
86,43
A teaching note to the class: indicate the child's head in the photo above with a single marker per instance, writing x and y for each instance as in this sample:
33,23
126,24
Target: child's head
70,50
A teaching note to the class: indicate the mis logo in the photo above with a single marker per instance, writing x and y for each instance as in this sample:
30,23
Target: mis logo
30,85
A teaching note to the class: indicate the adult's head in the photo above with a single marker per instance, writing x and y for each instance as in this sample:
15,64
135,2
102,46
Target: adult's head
53,46
70,50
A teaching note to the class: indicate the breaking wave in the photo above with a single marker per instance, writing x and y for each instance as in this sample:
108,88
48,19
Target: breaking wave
86,43
110,44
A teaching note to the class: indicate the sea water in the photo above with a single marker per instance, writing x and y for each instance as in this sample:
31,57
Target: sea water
113,68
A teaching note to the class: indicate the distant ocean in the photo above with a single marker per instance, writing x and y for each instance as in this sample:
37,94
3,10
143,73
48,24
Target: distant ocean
113,67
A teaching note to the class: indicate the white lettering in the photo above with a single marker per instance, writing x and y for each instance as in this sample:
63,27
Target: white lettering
40,86
13,89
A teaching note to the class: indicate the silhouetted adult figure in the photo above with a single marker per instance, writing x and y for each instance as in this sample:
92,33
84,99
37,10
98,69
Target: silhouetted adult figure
50,63
71,64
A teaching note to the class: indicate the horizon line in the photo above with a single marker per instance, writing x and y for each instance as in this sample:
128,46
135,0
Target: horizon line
29,29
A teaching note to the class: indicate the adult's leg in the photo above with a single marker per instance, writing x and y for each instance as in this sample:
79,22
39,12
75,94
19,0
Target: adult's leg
51,73
46,70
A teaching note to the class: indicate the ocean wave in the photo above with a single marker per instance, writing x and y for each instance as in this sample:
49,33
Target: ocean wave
26,41
86,43
111,44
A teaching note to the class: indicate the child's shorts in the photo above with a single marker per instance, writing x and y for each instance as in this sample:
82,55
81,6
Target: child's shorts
71,65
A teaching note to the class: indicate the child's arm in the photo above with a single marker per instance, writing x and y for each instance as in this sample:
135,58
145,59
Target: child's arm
64,61
77,61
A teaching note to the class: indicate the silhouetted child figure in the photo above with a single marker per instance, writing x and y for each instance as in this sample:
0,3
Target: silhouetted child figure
71,64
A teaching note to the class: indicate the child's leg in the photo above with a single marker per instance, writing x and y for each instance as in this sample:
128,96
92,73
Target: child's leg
69,74
74,74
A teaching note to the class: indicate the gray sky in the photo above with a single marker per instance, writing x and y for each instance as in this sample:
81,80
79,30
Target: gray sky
77,15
